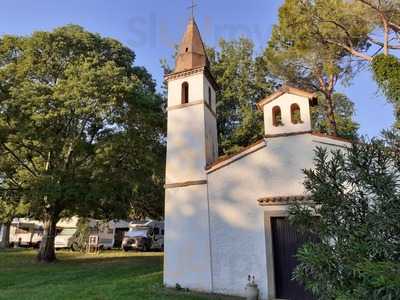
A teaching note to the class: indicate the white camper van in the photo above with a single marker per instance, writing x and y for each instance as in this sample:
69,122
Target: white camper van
144,236
25,233
68,237
29,233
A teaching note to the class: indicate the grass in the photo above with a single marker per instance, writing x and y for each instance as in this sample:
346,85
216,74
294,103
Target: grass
110,275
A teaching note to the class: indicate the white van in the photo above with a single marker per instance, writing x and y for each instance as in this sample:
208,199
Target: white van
68,237
144,236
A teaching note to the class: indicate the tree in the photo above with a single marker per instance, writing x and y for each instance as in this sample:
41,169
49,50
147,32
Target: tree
9,209
368,30
11,205
356,196
356,25
344,112
78,122
243,80
386,69
299,57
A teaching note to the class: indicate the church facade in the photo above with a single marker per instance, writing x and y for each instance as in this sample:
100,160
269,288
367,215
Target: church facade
226,218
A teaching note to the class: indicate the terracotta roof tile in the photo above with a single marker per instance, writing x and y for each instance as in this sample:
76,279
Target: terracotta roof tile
235,156
333,137
221,161
191,53
283,200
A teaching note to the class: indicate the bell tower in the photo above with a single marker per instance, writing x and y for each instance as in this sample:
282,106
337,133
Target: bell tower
191,146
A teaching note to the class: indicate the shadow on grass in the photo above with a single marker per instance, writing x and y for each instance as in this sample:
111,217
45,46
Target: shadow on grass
19,269
111,275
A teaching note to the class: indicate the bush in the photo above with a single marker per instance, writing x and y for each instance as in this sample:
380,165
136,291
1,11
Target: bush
356,198
82,233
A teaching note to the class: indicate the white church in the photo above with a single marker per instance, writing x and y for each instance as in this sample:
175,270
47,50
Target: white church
226,218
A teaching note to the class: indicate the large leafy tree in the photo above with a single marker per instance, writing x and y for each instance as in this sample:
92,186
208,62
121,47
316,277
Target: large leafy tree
243,80
355,221
82,127
297,56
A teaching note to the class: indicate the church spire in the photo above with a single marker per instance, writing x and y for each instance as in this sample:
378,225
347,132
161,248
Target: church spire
192,53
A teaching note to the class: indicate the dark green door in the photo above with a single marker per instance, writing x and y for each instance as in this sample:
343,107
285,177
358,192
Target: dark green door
286,240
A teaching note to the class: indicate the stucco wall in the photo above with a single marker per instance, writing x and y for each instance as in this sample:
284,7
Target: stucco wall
191,144
192,130
187,248
211,136
198,89
237,221
206,85
186,144
284,102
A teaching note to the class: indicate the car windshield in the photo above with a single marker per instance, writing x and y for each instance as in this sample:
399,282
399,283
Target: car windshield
139,228
137,231
68,231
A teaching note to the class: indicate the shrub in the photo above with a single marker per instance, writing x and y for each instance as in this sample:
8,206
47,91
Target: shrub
356,197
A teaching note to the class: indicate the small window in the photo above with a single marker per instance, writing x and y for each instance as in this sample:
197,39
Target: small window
209,96
187,50
185,93
156,231
162,231
295,114
277,116
22,230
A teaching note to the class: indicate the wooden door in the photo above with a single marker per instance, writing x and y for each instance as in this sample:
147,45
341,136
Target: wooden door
286,240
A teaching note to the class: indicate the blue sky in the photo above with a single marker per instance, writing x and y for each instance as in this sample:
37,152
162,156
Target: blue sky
152,27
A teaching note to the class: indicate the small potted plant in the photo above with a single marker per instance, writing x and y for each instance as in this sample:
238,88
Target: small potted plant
251,288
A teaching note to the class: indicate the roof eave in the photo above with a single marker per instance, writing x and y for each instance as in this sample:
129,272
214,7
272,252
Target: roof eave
287,90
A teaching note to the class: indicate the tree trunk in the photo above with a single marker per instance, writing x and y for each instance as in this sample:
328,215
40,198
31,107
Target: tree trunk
385,34
47,252
331,115
5,237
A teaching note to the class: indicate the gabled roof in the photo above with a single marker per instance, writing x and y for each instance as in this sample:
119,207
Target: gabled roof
226,160
286,90
314,133
191,53
333,137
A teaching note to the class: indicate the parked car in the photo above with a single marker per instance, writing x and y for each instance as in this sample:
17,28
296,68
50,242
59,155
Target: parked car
144,236
25,234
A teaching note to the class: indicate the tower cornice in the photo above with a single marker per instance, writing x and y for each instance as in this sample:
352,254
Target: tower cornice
186,73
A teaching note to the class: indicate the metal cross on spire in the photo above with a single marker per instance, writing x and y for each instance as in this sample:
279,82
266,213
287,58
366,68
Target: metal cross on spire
192,7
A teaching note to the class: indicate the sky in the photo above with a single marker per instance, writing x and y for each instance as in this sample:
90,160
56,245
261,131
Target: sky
152,27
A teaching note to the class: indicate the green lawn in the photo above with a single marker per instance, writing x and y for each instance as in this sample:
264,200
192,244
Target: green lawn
110,275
